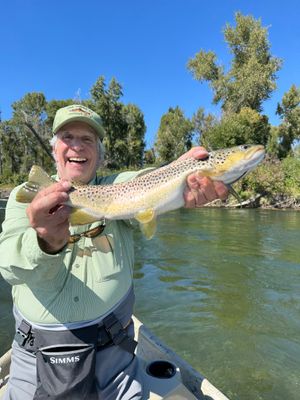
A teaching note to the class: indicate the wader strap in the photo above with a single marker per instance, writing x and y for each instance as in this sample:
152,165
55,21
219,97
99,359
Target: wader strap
118,334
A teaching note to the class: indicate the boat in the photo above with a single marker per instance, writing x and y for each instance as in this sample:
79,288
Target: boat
165,374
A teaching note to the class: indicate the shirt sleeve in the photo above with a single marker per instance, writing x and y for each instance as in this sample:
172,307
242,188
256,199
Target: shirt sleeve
20,254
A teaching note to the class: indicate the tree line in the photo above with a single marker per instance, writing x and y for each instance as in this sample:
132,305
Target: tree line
240,90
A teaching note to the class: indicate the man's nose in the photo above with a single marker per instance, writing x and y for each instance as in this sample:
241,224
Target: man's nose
77,143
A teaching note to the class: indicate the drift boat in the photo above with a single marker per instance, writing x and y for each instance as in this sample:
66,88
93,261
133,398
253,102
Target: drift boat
166,375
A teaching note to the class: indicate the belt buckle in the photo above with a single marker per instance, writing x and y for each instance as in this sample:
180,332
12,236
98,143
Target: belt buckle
23,333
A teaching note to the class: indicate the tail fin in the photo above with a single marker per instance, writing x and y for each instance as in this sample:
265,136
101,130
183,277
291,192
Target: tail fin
37,180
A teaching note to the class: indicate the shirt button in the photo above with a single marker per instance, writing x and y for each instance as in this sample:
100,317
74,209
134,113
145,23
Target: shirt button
76,265
76,298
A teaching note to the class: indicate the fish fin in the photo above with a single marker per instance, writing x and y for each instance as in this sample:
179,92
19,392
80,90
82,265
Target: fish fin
37,180
145,216
147,222
78,216
234,193
149,229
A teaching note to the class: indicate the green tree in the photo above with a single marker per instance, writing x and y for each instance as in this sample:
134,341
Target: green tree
11,149
202,125
28,122
105,101
289,129
124,124
174,135
134,135
273,142
247,126
251,77
149,156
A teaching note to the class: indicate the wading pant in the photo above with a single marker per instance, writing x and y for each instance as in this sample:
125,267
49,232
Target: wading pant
117,374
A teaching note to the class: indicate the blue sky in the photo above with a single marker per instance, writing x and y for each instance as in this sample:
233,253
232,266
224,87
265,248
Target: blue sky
61,47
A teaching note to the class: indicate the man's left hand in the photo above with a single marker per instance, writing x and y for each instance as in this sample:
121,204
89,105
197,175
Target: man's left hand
200,189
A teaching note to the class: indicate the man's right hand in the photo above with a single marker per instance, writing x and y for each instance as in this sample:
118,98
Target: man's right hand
49,216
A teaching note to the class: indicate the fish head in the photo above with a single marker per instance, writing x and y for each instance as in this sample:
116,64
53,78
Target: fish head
229,165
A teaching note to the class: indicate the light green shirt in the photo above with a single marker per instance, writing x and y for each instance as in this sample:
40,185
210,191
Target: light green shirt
82,282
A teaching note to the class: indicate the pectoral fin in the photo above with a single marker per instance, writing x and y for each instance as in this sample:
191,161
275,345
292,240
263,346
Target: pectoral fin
147,222
81,217
233,192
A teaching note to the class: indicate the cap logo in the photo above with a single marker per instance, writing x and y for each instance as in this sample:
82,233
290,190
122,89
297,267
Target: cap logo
80,110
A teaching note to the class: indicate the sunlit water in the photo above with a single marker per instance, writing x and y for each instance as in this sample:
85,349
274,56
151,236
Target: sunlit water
222,288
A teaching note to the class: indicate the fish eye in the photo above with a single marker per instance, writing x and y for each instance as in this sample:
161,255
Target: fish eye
244,146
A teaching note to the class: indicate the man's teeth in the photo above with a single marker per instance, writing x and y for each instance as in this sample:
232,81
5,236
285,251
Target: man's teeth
77,159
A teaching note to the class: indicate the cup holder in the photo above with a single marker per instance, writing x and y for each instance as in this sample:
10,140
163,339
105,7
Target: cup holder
161,369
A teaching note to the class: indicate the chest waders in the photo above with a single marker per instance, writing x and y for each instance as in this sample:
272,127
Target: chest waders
66,359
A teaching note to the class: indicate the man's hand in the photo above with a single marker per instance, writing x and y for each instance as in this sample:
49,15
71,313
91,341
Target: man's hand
200,189
49,217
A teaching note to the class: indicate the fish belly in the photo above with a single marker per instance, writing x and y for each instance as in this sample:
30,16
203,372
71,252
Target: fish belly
159,200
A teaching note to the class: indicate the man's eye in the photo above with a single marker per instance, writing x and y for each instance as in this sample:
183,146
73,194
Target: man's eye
88,140
66,136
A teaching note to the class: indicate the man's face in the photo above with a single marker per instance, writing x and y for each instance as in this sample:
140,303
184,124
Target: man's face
76,152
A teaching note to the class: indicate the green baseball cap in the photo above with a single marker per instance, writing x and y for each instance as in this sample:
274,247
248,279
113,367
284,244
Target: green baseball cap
78,112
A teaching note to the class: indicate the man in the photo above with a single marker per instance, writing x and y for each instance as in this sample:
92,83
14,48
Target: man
72,286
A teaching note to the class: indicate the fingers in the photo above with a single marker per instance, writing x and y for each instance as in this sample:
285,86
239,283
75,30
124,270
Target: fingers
221,190
55,193
198,152
202,190
49,216
50,197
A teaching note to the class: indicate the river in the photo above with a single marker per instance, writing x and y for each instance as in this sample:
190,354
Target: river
222,288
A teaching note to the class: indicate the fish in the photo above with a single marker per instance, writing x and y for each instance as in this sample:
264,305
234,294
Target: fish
151,194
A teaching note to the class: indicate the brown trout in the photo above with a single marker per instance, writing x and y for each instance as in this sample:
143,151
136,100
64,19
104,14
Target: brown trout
148,195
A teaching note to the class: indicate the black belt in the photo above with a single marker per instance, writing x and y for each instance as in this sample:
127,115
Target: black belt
110,332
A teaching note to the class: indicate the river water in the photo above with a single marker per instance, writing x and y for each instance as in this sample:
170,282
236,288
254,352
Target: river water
222,288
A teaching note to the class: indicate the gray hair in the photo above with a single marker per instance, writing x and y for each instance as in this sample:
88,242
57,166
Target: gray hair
101,149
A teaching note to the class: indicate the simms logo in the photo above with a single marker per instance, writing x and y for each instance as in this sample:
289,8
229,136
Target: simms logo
64,360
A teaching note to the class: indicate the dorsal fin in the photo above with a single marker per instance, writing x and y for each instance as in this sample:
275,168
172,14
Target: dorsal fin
38,179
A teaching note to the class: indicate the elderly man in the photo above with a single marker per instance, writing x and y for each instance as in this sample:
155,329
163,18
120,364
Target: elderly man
72,286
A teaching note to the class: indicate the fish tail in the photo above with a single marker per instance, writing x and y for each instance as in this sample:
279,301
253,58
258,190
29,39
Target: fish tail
37,180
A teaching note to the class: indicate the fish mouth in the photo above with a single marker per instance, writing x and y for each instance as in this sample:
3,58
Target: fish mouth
257,152
254,157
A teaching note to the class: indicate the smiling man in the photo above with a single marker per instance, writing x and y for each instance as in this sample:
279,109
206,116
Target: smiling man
76,145
72,286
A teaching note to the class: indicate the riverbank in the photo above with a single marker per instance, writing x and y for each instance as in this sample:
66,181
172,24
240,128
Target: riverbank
259,201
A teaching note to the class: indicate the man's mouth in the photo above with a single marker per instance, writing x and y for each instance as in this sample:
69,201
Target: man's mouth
77,160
